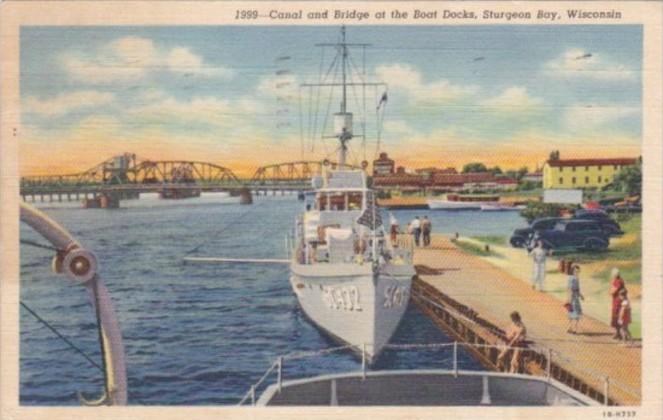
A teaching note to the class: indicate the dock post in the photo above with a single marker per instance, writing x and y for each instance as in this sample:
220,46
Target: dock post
363,361
606,390
253,395
455,359
279,373
549,365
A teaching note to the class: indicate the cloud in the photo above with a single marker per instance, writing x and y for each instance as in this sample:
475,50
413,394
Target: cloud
182,60
196,111
581,64
130,59
404,77
66,103
578,117
512,100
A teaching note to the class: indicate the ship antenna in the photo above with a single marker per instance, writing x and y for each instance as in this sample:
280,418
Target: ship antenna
345,135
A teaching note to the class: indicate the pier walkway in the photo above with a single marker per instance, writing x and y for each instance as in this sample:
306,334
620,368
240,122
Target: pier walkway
471,300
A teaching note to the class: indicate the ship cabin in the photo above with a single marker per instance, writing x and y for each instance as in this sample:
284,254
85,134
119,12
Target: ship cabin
328,232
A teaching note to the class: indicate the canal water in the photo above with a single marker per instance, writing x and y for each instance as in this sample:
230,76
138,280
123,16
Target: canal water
195,334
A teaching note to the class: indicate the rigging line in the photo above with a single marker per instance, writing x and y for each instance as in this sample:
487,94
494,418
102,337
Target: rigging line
100,333
62,337
331,96
223,229
39,245
301,125
377,121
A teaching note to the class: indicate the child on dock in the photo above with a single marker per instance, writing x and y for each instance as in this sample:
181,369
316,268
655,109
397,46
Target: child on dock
624,317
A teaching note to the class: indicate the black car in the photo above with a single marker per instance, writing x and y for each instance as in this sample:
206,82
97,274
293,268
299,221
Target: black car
521,237
608,225
574,234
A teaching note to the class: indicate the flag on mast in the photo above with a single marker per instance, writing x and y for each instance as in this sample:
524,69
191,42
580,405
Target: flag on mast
383,100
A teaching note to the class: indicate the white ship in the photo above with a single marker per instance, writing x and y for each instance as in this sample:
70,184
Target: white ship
350,280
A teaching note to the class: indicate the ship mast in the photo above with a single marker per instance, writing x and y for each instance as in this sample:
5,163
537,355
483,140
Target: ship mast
343,118
346,134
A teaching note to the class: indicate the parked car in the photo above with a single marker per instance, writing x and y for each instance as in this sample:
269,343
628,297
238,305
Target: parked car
574,234
608,225
521,237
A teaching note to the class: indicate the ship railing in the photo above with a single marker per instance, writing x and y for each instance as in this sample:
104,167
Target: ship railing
452,363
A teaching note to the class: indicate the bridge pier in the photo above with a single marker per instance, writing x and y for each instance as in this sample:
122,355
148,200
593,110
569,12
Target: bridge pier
245,196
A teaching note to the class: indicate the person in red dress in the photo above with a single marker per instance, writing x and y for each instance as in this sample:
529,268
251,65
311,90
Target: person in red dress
616,286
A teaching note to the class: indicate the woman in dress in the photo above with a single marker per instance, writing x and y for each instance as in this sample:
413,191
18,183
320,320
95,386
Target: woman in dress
616,286
573,300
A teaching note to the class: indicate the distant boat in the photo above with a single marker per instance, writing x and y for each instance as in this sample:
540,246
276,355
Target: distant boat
463,202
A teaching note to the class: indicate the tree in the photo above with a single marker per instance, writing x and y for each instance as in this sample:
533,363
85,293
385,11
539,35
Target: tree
474,167
495,170
522,172
554,155
629,179
537,209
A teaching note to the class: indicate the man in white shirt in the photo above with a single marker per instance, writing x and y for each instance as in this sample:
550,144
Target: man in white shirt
539,257
415,227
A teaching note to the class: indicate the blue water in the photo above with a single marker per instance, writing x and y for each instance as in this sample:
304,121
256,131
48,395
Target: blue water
194,334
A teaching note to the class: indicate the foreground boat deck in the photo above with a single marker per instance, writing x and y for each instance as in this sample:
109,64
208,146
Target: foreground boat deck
471,300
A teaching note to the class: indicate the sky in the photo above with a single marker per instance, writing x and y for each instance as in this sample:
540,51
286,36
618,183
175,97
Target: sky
503,95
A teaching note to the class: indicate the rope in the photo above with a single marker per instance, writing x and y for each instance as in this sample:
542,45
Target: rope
223,229
62,337
39,245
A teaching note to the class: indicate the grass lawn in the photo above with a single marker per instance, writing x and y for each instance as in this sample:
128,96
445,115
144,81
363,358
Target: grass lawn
492,239
474,248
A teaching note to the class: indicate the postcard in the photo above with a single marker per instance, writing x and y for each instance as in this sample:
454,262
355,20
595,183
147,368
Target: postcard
331,209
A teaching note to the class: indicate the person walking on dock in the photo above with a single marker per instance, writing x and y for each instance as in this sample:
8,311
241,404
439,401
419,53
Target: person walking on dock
574,296
426,228
624,317
516,335
616,286
393,228
415,227
538,254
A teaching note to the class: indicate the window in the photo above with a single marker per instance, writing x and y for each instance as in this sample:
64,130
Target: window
574,169
586,168
600,167
573,180
614,167
600,180
586,180
561,180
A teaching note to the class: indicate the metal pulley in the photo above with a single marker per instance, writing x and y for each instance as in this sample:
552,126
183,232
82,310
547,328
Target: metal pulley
80,265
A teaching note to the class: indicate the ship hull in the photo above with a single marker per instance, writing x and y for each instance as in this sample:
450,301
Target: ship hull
352,307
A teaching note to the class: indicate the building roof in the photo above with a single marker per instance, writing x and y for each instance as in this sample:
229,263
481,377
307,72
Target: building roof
506,181
591,162
460,179
399,179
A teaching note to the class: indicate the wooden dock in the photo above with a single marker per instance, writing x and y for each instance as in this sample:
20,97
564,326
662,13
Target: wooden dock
471,300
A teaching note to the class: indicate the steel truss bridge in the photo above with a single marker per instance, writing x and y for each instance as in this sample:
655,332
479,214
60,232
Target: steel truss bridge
127,175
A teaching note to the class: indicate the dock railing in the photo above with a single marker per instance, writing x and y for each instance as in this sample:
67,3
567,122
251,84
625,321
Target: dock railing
452,362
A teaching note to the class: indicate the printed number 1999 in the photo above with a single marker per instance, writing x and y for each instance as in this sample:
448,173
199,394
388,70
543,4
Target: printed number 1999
246,14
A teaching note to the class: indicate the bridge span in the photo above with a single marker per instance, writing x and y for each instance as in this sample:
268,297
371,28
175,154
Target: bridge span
125,177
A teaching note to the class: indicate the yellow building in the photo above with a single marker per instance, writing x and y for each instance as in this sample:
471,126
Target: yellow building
582,173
